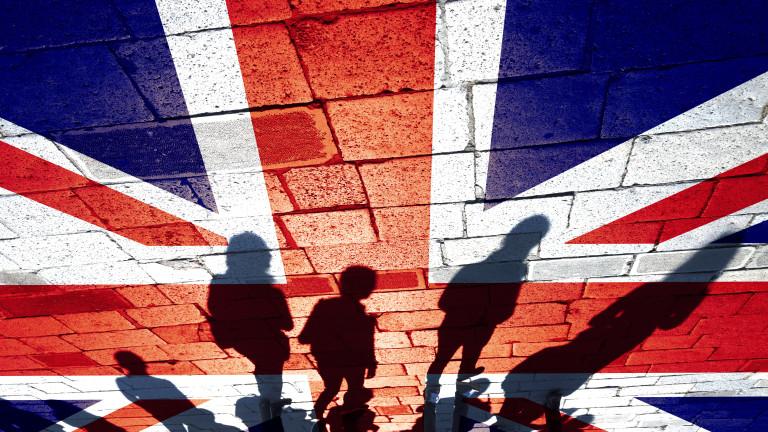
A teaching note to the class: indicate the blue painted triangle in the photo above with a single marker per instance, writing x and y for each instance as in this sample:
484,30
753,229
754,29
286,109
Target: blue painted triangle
71,72
36,415
754,234
597,74
717,414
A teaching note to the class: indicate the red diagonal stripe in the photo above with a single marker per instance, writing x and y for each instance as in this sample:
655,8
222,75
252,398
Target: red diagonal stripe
691,208
141,415
77,196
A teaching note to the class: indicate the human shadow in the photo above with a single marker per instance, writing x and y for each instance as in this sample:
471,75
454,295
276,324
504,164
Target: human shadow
476,300
340,334
160,399
611,334
249,314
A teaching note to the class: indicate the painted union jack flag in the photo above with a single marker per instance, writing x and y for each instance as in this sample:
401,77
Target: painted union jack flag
393,215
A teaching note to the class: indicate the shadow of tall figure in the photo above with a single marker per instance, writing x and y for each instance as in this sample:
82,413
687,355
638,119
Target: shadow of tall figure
250,315
340,334
173,410
614,332
483,295
476,300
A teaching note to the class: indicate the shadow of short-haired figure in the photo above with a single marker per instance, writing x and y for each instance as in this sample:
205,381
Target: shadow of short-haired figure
477,299
340,334
145,390
250,315
613,333
483,295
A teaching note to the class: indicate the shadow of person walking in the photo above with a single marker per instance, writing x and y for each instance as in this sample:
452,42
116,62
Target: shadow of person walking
160,399
478,298
612,333
250,315
340,335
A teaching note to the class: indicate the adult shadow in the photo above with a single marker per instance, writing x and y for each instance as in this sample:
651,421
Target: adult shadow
160,399
611,334
250,315
340,334
476,300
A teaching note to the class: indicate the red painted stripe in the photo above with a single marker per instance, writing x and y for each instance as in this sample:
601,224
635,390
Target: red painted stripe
92,202
691,208
140,415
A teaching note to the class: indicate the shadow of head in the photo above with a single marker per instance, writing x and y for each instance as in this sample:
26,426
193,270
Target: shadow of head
357,282
131,363
248,259
526,235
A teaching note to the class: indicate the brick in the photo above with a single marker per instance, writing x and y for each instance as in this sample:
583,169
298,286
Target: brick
456,174
296,262
277,81
711,260
383,127
403,321
194,351
185,293
387,340
492,249
143,296
90,322
64,360
569,268
420,300
19,363
369,53
474,35
49,344
525,349
309,285
399,280
243,12
399,392
394,410
573,102
29,327
278,198
14,347
703,367
70,302
451,132
544,292
330,228
538,333
378,256
402,222
424,338
147,353
658,342
397,182
292,137
499,364
114,339
166,315
502,219
659,159
536,314
179,334
669,356
326,186
447,221
67,249
302,306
